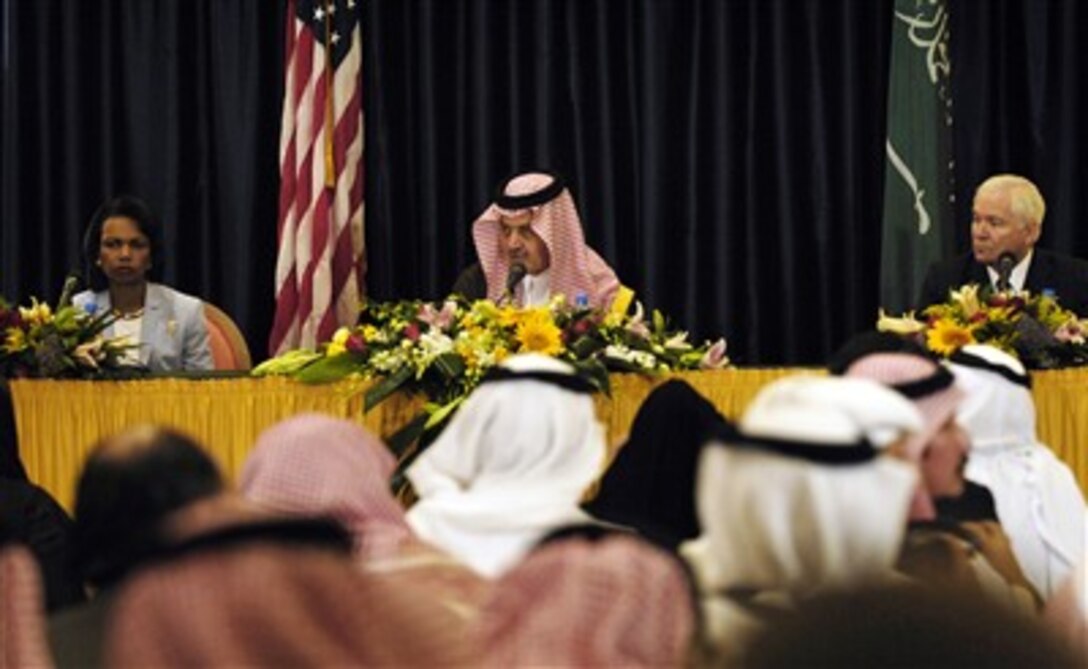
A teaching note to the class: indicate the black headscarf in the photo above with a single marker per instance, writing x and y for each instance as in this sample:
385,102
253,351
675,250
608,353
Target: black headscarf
651,485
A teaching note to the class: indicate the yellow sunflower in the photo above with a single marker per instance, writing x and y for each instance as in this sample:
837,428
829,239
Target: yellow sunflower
538,334
946,337
510,316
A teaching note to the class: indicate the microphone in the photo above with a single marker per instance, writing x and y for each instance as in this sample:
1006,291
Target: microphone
514,277
71,282
1005,262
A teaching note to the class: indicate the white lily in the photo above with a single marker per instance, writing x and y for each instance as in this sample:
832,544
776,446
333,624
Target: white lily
967,297
715,357
904,325
678,342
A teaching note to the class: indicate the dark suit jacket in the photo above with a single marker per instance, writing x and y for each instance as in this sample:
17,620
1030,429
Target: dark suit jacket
471,284
1065,276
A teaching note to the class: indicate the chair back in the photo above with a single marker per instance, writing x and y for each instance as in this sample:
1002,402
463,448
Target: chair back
229,348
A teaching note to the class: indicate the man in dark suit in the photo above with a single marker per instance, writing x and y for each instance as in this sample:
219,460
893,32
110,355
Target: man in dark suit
1007,218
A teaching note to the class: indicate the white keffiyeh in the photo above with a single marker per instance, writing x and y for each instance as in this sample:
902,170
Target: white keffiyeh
789,527
511,466
1038,501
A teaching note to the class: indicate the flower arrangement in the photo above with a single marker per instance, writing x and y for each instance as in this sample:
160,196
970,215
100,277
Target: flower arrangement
37,341
1034,328
444,350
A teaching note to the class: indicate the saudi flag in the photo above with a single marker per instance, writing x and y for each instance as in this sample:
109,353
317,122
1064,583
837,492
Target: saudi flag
918,185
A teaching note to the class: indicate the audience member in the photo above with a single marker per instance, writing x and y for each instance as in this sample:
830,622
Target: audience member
11,465
870,342
1066,612
941,448
650,486
316,465
122,249
1006,221
974,502
533,226
972,558
611,602
906,627
239,591
511,465
130,483
22,615
37,521
798,502
1039,503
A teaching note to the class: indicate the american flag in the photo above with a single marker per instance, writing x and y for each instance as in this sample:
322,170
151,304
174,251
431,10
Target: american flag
320,265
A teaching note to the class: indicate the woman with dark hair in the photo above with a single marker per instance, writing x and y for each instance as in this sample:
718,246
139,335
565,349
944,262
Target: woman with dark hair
123,254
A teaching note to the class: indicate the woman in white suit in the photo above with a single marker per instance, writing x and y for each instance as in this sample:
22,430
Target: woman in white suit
122,249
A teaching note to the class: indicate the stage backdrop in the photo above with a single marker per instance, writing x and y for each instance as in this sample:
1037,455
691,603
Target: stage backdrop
727,157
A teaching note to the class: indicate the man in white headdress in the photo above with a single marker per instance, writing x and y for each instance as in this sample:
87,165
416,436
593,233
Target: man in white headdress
943,552
1039,504
531,247
801,501
511,466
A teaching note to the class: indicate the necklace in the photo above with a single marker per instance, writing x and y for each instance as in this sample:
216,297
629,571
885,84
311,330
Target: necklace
129,316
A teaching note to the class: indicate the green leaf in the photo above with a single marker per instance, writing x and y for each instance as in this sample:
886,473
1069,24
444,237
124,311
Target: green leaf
595,373
585,346
659,322
326,370
408,443
401,440
386,387
450,365
439,415
284,365
692,358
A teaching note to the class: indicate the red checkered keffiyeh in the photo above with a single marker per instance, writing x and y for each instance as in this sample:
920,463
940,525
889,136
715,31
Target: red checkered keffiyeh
349,481
897,368
615,602
575,268
318,465
265,604
22,611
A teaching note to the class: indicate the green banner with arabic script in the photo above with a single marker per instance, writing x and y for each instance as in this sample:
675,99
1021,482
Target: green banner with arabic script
918,185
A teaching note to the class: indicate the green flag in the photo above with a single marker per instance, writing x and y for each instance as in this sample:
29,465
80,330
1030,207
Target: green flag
918,187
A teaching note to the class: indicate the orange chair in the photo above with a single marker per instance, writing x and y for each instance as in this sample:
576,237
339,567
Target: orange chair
229,349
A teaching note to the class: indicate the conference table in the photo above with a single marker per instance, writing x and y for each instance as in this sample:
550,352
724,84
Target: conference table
58,422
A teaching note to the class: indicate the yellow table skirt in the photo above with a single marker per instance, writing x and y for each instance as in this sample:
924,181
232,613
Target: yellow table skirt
58,422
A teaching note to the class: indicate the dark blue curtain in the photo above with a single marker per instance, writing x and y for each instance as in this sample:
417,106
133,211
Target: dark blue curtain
727,155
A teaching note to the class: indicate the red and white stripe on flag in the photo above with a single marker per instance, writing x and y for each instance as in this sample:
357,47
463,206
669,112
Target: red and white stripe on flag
320,263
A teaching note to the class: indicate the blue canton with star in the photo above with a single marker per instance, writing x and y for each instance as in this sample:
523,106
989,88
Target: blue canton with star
332,22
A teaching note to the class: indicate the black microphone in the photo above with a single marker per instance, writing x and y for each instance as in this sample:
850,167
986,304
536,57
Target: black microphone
1005,262
517,273
71,282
